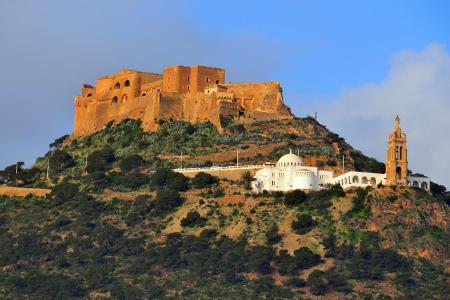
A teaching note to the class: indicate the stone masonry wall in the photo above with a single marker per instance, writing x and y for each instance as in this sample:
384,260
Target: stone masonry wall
150,97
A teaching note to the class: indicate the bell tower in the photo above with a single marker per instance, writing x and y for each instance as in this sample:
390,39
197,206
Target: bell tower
397,157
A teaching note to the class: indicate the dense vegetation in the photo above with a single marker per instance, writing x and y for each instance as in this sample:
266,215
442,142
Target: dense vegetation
172,239
72,244
133,148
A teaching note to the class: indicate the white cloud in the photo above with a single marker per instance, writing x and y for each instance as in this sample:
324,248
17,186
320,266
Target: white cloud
418,89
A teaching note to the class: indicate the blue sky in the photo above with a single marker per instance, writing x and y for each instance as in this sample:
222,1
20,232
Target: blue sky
318,50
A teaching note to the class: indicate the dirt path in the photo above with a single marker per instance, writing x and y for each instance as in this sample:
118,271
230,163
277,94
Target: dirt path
22,192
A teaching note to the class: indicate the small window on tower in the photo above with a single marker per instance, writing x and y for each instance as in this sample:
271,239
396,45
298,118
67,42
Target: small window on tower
127,83
207,79
217,81
188,79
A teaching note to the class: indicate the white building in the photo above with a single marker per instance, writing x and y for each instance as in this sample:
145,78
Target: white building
290,173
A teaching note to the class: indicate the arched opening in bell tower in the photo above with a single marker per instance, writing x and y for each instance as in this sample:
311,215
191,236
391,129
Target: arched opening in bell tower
398,173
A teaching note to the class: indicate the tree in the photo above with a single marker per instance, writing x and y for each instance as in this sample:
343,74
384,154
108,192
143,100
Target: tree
192,219
303,224
437,189
63,192
272,235
10,173
29,175
131,162
202,180
166,200
247,179
60,160
294,198
317,283
130,181
57,144
100,160
305,258
165,177
259,258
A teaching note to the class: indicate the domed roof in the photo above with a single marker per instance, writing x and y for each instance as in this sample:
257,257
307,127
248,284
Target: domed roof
290,159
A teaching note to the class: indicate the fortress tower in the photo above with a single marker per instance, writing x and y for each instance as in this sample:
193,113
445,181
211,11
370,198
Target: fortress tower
192,94
397,157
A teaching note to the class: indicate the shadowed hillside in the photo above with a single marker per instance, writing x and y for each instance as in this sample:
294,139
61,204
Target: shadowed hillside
120,224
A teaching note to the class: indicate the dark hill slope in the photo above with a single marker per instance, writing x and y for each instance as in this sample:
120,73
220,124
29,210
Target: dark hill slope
112,229
201,144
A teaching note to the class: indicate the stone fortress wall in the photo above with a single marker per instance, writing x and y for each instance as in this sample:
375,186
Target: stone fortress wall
192,94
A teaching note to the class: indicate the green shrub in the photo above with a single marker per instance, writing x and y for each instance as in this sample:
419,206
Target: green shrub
303,224
258,259
131,162
247,179
317,283
202,180
11,173
192,219
208,233
63,192
60,160
166,200
129,181
39,285
294,198
100,160
295,282
218,192
305,258
331,163
164,177
98,180
272,235
28,176
437,189
57,144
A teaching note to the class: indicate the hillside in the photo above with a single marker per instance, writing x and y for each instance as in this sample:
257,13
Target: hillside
202,144
120,224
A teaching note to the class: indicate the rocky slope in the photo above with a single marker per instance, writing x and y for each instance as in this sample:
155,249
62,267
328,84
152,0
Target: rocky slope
112,229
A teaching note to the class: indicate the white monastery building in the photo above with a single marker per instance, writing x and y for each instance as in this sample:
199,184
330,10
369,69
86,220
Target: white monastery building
290,173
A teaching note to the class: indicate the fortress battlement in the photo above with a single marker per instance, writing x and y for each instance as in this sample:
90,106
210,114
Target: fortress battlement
193,94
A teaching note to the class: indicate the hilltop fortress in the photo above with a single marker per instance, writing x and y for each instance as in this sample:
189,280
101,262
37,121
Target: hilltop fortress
193,94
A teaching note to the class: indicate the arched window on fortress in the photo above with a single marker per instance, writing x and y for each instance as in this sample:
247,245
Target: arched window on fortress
126,83
207,79
117,86
124,98
144,94
89,95
217,81
114,100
